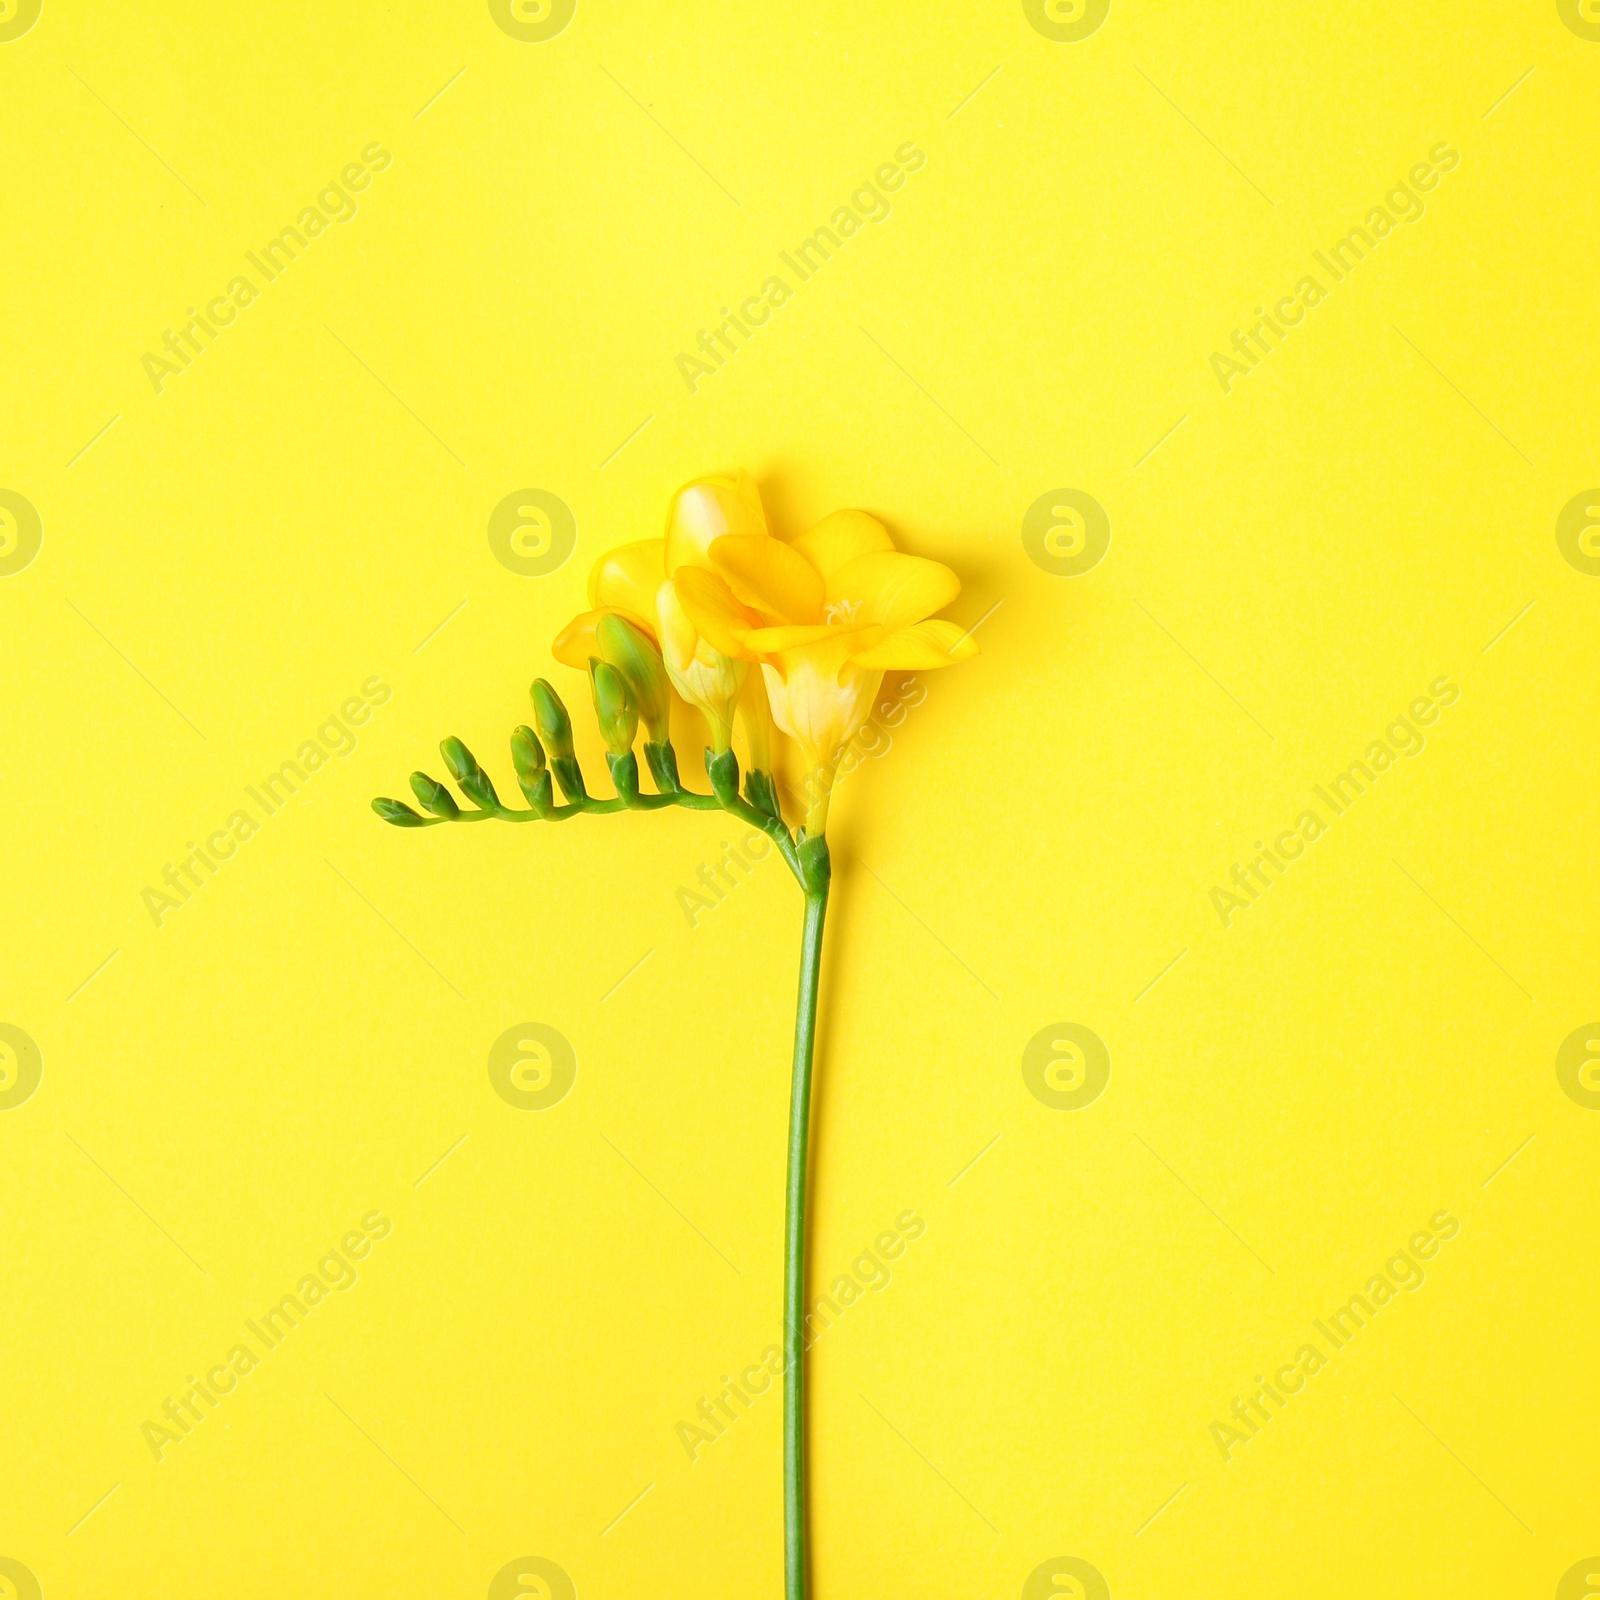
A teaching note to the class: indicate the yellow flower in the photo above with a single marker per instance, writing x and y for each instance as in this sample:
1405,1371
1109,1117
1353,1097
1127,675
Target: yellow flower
824,616
638,581
834,610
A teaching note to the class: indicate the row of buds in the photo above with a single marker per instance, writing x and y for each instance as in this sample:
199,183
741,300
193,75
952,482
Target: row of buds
628,685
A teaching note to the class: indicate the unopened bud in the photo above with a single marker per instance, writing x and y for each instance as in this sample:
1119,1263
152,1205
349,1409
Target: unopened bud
527,754
533,777
551,719
460,760
614,706
632,653
464,768
397,812
434,796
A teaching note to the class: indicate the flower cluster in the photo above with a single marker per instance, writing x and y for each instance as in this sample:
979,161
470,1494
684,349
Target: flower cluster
744,626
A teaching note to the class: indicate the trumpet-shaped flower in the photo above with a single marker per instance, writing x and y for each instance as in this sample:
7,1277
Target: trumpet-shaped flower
834,610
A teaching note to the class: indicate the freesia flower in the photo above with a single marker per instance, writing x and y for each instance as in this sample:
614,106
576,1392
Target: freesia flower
799,632
826,616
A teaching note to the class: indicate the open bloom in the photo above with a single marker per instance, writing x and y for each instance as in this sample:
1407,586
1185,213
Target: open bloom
825,616
640,582
822,616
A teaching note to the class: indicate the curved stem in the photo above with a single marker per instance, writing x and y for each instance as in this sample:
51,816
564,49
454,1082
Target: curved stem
794,1244
774,829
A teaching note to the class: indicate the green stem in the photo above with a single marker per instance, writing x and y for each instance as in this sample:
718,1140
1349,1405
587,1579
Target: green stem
814,861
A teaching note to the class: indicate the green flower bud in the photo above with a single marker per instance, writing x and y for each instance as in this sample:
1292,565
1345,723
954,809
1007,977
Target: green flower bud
395,811
460,760
533,778
527,754
614,706
630,651
434,796
465,770
551,719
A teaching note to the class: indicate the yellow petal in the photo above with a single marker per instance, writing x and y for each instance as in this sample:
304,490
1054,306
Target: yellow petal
626,580
770,575
577,641
709,604
840,538
894,589
828,658
788,636
708,509
679,636
756,714
919,649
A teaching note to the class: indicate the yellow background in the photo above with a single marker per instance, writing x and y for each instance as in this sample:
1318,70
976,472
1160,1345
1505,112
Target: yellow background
227,561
